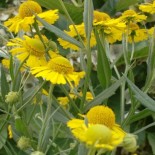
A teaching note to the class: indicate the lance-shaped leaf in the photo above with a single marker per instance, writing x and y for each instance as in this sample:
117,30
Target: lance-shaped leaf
104,95
103,65
59,33
142,97
88,17
4,84
76,13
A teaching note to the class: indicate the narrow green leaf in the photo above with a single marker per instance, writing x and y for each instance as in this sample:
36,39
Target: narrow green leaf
11,68
21,126
124,4
3,134
142,114
4,84
59,33
103,65
104,95
76,13
151,139
88,17
142,97
150,63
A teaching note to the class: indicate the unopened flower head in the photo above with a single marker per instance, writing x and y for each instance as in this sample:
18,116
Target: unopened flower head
130,143
12,97
26,17
24,143
37,153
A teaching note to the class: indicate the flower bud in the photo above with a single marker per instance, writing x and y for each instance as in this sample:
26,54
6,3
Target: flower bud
24,143
37,153
12,97
53,45
130,143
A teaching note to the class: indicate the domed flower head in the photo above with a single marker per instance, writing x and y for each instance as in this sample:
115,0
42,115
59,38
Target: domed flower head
26,16
30,48
131,16
148,7
72,32
58,70
99,129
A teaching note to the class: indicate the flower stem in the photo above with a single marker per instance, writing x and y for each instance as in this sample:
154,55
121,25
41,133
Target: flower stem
45,124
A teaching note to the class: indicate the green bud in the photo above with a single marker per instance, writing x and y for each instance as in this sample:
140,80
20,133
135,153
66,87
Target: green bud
37,153
12,97
130,143
52,45
24,143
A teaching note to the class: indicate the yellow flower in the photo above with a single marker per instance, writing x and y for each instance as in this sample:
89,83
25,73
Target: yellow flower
148,7
30,48
136,34
58,70
64,100
72,33
112,29
131,16
26,16
99,129
100,16
10,133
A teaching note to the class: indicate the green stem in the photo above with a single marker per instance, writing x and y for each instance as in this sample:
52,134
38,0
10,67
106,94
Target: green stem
70,99
71,21
23,106
144,128
46,119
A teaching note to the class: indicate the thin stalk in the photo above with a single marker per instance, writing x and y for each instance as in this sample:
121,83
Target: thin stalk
133,49
70,99
64,111
46,118
125,50
71,21
144,128
77,4
21,108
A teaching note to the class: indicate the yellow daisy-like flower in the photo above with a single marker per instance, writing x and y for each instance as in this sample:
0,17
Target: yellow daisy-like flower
136,34
112,29
26,17
148,7
81,30
131,16
100,131
58,70
30,48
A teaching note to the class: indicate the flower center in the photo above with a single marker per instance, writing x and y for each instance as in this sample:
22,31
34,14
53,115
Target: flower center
61,65
34,47
98,134
101,115
29,8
